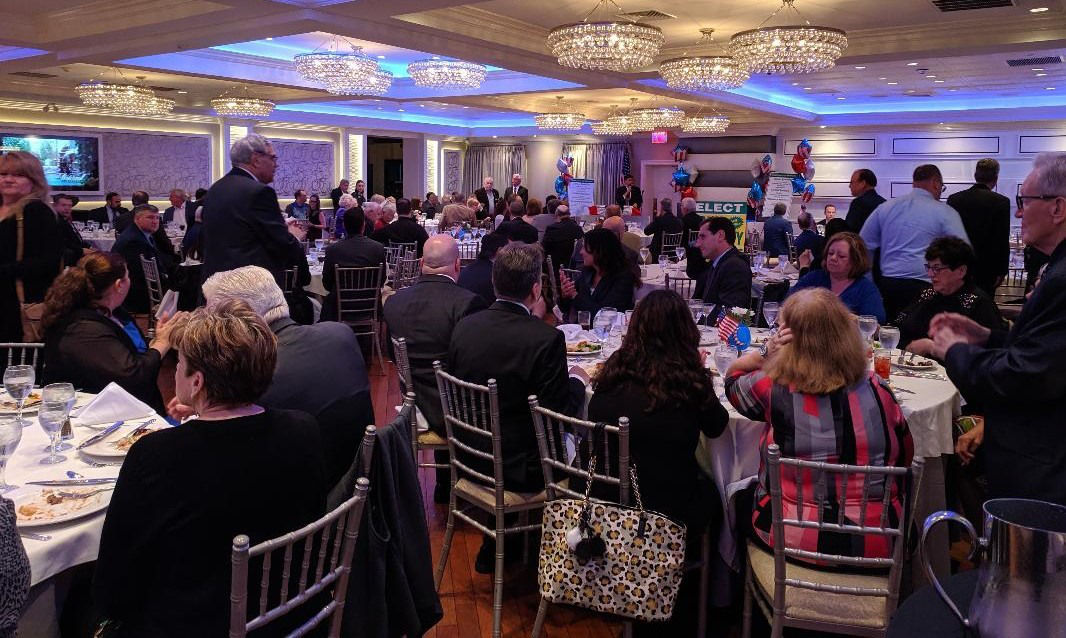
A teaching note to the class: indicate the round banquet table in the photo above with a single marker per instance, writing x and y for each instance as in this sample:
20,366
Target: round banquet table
924,615
655,279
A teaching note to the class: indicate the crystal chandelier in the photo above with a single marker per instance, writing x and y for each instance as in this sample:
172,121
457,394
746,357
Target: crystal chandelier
152,106
705,124
560,121
614,124
104,95
376,83
447,74
339,72
703,73
788,49
242,106
606,45
648,119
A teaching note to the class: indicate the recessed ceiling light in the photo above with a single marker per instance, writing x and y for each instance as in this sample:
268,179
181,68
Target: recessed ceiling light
860,68
842,98
930,76
534,136
381,57
270,38
466,107
938,81
912,64
893,83
822,126
183,92
437,57
1038,10
806,88
1038,69
1040,75
1049,88
379,108
401,110
882,78
495,136
795,84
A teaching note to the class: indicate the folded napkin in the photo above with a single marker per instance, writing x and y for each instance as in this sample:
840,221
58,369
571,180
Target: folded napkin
574,333
789,269
112,404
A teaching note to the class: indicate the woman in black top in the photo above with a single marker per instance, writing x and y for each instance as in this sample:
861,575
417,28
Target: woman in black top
608,279
315,221
91,341
184,493
33,267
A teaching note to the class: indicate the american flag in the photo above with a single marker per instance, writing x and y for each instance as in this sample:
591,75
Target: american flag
727,326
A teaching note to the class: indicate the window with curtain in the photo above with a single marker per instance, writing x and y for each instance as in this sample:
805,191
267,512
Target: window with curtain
604,163
498,162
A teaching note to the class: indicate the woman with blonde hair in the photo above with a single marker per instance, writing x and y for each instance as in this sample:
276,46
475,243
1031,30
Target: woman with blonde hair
31,246
821,404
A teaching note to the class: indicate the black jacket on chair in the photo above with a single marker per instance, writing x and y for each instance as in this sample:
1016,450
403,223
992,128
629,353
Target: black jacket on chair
665,223
243,227
425,315
986,217
726,285
526,356
132,245
477,278
354,252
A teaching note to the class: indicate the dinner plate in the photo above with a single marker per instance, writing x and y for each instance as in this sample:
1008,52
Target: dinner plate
907,365
583,355
708,336
45,514
8,406
107,448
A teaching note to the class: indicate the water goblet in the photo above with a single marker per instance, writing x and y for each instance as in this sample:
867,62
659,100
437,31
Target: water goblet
663,261
52,415
60,393
760,260
18,381
679,252
867,326
770,310
889,337
10,435
320,244
645,255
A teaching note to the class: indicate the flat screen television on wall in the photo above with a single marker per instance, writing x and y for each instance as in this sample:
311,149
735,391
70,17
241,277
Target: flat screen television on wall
71,162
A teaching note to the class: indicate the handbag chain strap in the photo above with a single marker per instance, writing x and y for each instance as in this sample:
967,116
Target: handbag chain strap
20,251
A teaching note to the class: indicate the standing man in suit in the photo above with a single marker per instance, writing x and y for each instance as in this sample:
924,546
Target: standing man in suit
109,212
863,187
986,216
727,282
425,315
665,222
242,218
336,193
489,198
356,251
516,189
510,343
628,194
176,210
135,242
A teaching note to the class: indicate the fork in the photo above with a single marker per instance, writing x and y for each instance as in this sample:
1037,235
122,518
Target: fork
140,428
84,494
35,537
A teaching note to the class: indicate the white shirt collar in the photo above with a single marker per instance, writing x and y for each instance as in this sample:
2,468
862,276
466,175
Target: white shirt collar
249,172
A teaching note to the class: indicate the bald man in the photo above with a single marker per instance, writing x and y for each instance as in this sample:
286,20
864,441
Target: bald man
425,315
617,225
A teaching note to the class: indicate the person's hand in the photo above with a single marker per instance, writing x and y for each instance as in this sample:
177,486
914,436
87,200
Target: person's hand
539,309
923,347
567,289
179,410
579,372
781,338
806,258
703,358
162,330
962,328
296,230
966,446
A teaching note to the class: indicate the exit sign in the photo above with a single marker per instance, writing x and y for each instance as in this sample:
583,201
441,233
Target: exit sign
658,137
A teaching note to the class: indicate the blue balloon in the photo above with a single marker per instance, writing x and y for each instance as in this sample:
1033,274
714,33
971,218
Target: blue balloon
756,192
681,177
560,186
741,339
798,183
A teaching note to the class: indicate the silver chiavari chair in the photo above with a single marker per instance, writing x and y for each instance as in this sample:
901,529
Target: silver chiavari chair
155,290
468,252
407,271
358,293
22,354
422,438
681,285
670,243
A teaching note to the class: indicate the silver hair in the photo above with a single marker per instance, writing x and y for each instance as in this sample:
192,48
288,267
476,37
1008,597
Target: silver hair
388,210
1050,170
346,201
371,207
178,191
242,150
688,205
378,199
252,285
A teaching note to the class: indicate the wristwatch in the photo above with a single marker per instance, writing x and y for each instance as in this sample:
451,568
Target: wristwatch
764,348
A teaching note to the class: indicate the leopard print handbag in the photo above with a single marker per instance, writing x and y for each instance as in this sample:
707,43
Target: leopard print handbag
611,558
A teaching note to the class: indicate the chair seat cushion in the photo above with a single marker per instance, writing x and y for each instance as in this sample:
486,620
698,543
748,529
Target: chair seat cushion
429,437
487,497
807,604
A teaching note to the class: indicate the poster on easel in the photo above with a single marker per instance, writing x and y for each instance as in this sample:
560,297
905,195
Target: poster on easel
581,194
778,191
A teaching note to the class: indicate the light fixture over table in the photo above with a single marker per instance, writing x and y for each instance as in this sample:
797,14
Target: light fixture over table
241,106
702,73
447,74
561,120
606,45
338,71
795,48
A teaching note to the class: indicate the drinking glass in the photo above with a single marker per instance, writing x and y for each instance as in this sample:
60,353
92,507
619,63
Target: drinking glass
10,435
760,260
584,317
883,363
627,317
663,261
782,262
320,244
867,326
889,337
55,393
680,253
52,415
724,356
769,313
601,326
18,381
645,255
105,227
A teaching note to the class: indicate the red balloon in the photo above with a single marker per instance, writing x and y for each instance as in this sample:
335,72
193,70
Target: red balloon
799,163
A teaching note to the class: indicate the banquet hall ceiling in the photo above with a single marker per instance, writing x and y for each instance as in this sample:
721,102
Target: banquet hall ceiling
907,62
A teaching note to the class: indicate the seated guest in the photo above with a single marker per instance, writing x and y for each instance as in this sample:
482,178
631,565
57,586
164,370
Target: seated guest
346,204
477,277
510,342
948,262
618,226
518,228
425,314
830,213
726,283
691,220
106,214
355,251
125,220
135,242
405,230
316,219
175,213
299,208
844,272
431,205
320,369
775,232
607,278
560,238
74,247
507,214
184,492
536,217
836,225
808,239
664,222
821,404
91,341
456,214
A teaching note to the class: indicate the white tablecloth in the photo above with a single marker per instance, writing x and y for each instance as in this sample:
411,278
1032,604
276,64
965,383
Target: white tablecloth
104,241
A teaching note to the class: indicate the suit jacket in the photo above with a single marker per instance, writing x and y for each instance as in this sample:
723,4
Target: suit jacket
986,216
477,278
774,235
810,240
861,208
559,239
168,215
132,245
99,215
347,253
614,291
483,197
404,230
243,227
519,229
72,242
335,195
425,314
665,223
635,198
1019,377
726,285
523,192
525,356
122,222
695,264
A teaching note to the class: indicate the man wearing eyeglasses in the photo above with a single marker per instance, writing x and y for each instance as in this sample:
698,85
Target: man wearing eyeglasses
901,229
986,216
1020,375
243,225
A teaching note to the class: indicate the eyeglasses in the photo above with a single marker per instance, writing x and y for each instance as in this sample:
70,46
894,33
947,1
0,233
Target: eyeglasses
936,270
943,188
1020,199
273,158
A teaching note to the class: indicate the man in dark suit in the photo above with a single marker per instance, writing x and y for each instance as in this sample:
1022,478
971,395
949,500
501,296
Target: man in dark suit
106,214
243,225
489,198
986,216
354,252
628,194
74,247
516,189
727,282
664,222
125,220
135,242
863,187
1019,377
176,211
425,315
560,237
194,224
477,277
691,220
404,230
431,205
510,343
809,239
336,193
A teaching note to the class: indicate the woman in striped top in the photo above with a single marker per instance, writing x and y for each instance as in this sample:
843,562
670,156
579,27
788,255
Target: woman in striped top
822,404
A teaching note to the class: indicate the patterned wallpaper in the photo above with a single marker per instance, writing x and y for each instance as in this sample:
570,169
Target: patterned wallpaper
306,165
155,163
453,167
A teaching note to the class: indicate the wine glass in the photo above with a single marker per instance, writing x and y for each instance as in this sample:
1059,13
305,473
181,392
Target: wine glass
724,356
60,392
320,244
770,309
889,337
18,381
663,261
679,252
601,326
760,260
867,326
645,255
52,414
10,435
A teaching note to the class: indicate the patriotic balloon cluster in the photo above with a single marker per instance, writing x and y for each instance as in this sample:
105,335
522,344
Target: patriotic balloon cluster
803,166
685,176
562,182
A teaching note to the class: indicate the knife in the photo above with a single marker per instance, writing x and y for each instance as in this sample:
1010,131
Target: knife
69,482
101,436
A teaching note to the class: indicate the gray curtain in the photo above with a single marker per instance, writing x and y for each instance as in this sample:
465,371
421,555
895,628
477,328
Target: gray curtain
498,162
604,163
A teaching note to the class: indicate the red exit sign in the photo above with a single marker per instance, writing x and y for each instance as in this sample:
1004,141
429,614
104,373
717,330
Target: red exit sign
658,137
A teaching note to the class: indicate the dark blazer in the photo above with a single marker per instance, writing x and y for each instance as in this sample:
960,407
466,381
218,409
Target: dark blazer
810,240
425,314
774,235
636,198
477,278
182,494
90,350
614,291
861,208
243,227
168,215
41,263
72,242
99,215
191,241
132,245
483,197
335,195
347,253
519,229
1019,377
523,192
986,217
726,285
404,230
665,223
122,222
525,356
559,239
695,264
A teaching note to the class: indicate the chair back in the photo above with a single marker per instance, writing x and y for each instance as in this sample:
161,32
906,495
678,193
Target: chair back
405,246
288,282
1013,286
403,364
393,254
407,271
553,282
791,246
829,486
155,284
670,242
358,292
22,354
468,252
772,291
754,240
681,285
566,444
693,233
333,536
472,424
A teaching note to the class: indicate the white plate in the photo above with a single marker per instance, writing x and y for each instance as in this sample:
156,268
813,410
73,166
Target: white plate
906,365
68,510
106,448
8,407
583,355
708,336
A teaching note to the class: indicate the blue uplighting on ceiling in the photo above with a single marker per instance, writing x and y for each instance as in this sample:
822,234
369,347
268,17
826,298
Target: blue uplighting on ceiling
408,116
15,53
